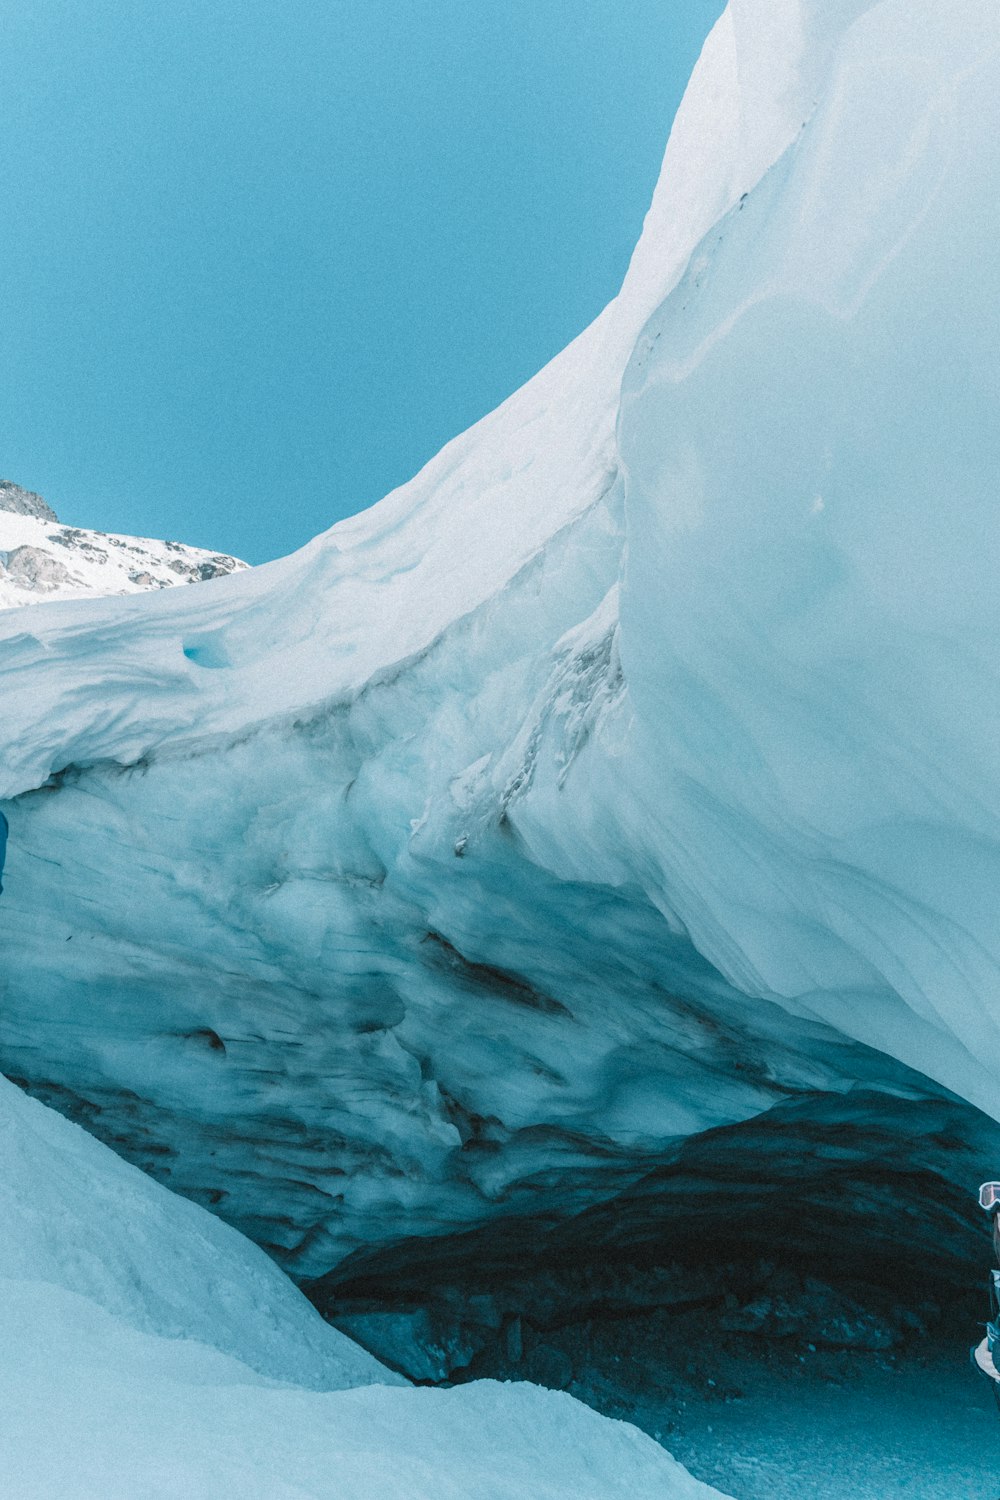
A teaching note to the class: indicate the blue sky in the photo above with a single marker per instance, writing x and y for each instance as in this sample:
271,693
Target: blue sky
262,258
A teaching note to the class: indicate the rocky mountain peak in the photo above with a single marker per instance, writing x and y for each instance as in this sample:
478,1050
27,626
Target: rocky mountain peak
24,502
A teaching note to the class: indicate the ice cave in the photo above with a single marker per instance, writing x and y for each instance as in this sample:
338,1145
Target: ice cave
558,908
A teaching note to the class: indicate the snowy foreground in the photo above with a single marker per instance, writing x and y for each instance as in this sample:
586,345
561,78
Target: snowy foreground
150,1351
610,814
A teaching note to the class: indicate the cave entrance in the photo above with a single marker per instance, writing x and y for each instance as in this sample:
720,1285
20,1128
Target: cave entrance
755,1298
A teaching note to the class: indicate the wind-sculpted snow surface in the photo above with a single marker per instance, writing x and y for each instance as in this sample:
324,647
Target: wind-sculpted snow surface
626,776
148,1350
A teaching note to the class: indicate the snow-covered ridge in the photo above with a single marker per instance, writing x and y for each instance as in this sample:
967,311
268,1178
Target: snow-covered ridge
40,559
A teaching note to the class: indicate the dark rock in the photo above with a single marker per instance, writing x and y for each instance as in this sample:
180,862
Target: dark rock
513,1341
548,1366
802,1307
24,502
36,570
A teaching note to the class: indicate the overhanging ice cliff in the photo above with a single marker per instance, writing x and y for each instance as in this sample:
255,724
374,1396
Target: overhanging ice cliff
629,775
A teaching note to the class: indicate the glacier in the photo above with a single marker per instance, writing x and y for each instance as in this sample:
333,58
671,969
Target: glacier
612,812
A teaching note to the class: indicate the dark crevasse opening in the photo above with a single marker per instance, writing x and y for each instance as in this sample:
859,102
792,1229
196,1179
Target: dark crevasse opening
821,1257
863,1192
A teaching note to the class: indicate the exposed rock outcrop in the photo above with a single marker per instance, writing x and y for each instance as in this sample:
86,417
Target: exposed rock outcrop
21,502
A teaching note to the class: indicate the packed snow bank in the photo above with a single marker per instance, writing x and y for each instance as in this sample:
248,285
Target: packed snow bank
92,1409
148,1350
627,775
78,1219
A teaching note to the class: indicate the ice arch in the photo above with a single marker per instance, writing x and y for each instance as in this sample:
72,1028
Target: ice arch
616,797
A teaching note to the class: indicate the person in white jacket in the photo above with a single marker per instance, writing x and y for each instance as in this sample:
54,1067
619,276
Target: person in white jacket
986,1354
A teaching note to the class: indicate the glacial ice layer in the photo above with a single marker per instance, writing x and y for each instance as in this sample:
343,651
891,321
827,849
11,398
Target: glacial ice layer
614,808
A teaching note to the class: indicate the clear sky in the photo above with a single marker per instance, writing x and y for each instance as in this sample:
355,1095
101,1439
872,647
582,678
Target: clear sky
260,259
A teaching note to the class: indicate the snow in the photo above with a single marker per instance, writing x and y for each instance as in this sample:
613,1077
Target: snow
122,1418
41,560
148,1350
78,1218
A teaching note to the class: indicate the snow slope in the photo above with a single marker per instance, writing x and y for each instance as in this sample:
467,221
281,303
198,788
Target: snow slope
43,560
79,1219
627,774
149,1351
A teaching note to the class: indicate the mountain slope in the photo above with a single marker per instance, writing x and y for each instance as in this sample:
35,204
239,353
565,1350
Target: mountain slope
40,559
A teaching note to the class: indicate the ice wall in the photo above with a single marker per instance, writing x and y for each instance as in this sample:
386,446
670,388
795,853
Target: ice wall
621,779
809,610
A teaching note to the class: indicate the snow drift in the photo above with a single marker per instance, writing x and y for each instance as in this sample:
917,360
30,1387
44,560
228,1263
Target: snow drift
150,1350
627,778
